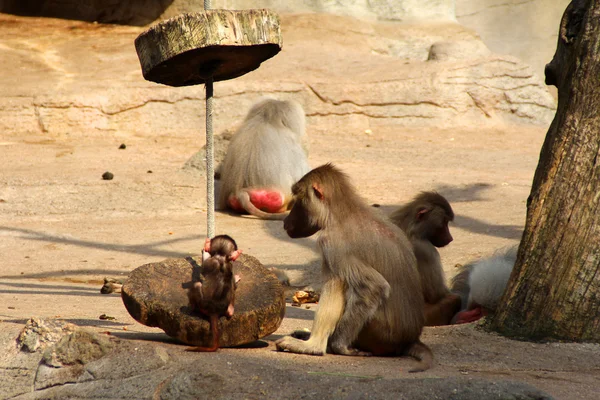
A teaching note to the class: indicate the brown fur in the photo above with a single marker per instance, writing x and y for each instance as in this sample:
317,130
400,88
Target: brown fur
266,152
425,222
213,294
371,301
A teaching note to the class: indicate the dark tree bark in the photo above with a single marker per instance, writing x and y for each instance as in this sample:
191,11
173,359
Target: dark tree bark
554,290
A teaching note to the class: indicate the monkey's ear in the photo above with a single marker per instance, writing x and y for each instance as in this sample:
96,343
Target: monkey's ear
422,213
318,191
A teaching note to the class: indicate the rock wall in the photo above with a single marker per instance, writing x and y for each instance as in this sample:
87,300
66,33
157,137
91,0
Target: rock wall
142,12
127,12
527,30
523,29
75,78
393,10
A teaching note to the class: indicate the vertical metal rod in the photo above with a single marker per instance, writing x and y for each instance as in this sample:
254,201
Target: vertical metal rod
210,171
210,174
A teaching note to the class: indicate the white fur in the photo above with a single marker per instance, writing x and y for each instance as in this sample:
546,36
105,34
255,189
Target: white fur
489,278
266,151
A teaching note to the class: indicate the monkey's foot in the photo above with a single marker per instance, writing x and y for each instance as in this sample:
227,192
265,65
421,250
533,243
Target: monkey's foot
298,346
202,349
348,351
230,311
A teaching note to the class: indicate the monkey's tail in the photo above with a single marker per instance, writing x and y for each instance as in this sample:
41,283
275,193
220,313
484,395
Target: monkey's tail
214,327
422,353
460,284
244,199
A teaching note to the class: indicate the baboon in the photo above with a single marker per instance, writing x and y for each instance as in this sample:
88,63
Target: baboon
425,221
481,284
264,159
371,301
213,294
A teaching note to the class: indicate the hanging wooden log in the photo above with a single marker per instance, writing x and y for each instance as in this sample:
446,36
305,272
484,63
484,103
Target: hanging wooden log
224,44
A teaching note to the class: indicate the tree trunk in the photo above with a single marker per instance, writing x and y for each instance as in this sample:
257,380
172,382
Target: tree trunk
554,290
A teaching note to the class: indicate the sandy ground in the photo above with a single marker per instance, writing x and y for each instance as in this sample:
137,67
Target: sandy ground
63,228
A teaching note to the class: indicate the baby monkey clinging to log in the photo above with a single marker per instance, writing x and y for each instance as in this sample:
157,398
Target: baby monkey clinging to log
214,293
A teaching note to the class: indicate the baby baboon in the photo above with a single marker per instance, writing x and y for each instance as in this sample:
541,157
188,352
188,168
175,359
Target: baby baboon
264,159
371,301
213,295
425,222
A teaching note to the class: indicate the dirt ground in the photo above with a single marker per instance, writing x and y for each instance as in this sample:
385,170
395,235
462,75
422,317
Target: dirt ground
63,228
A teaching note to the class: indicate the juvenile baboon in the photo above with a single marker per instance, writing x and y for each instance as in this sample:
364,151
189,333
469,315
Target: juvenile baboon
425,222
481,284
264,159
213,294
371,300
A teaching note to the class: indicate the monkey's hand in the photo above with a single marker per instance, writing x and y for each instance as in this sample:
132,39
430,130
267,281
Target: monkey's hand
234,256
298,346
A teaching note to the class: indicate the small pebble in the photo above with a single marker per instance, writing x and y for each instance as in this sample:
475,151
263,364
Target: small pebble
149,171
107,176
375,205
122,146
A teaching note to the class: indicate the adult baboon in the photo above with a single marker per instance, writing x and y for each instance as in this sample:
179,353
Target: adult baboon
425,221
481,284
264,159
371,301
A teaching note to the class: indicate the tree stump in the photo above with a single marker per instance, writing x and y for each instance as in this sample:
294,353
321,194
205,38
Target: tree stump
156,295
554,290
224,44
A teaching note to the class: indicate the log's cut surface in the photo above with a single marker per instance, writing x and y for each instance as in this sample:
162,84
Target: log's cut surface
187,49
155,295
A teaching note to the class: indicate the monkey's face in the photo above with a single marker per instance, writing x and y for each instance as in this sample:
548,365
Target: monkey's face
303,220
441,236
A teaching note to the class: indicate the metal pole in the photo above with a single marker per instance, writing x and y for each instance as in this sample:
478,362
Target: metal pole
210,155
210,174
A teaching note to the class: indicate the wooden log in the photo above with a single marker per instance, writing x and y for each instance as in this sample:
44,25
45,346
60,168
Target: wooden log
187,49
155,295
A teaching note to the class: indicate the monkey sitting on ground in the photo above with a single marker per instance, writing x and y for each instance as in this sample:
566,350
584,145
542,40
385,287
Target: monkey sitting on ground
264,159
425,221
371,301
213,295
481,284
